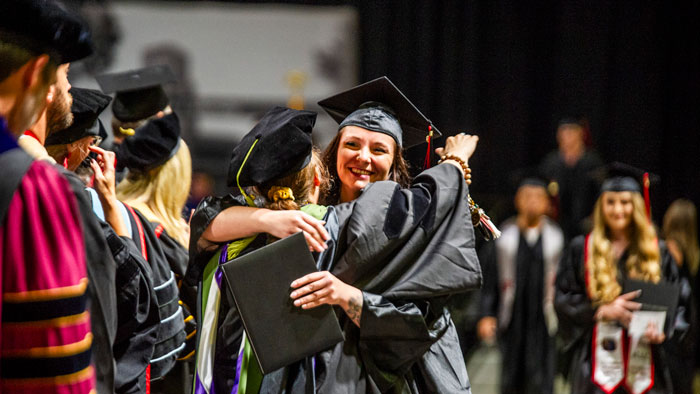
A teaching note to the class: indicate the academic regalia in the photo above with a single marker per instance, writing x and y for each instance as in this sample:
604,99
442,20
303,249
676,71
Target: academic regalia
102,274
424,239
45,278
602,354
683,348
519,291
177,258
156,142
135,312
280,144
52,271
380,106
171,331
139,92
137,306
576,320
404,344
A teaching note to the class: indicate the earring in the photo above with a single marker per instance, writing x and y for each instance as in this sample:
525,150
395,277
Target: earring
317,183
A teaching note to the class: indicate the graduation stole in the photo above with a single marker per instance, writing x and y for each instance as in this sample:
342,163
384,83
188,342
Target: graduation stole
615,359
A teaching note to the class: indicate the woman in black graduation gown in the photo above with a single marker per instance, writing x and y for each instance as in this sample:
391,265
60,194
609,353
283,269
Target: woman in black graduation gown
406,250
156,188
594,314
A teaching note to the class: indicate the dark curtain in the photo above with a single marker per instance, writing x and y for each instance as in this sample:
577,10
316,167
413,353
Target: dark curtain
508,70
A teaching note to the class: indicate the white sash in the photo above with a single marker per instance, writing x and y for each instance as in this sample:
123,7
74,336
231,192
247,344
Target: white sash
640,368
607,356
615,359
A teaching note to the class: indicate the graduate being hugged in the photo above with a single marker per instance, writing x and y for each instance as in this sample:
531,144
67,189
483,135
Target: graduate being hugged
277,165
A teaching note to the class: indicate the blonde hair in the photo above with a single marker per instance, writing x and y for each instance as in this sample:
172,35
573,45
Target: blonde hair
643,261
681,226
301,184
161,193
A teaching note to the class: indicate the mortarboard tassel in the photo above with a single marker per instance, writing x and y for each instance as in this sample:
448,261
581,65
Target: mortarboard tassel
428,139
647,202
483,222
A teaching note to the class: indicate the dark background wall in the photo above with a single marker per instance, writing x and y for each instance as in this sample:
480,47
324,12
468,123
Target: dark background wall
508,70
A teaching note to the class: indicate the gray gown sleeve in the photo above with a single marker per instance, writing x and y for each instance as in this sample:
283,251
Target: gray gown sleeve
408,250
394,335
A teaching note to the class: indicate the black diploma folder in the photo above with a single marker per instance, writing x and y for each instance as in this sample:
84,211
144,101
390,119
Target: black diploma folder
279,332
656,296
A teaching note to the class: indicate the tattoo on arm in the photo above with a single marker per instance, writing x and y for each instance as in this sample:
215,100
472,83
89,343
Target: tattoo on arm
354,310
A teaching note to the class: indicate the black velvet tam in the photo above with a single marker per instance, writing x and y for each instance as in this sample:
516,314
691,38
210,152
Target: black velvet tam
153,144
378,105
88,104
623,177
45,26
283,147
140,93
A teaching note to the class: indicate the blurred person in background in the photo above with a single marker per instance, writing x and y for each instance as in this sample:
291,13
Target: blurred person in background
680,229
569,169
593,313
517,296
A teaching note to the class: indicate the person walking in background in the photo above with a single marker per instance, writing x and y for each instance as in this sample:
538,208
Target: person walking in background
518,292
570,168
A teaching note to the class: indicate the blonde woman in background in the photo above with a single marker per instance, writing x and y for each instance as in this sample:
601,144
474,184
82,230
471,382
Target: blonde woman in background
594,314
156,187
680,229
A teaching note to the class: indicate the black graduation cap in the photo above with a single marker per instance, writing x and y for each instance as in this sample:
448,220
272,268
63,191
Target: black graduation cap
283,146
154,143
87,105
44,26
140,93
378,105
621,177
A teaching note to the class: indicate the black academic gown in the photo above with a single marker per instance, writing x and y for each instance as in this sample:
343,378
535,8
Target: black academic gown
177,258
125,273
101,269
682,349
171,328
576,322
408,250
527,348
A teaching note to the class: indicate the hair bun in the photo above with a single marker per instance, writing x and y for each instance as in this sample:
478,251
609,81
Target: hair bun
277,193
